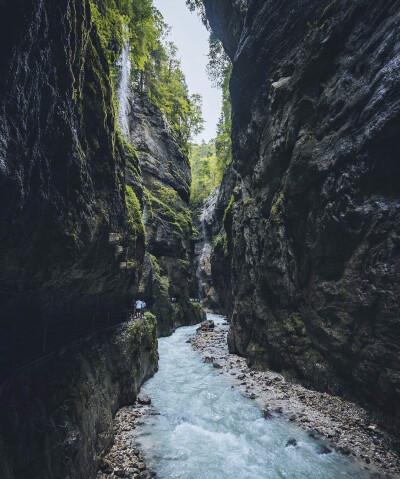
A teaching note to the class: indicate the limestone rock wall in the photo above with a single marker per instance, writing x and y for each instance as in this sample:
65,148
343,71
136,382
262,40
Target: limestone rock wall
56,418
315,217
166,177
61,179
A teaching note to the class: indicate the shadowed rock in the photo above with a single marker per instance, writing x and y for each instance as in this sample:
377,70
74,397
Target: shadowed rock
312,233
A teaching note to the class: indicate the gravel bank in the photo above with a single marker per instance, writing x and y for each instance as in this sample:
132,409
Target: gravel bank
125,459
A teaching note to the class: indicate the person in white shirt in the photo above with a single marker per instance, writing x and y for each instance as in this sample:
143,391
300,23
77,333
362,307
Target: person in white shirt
138,308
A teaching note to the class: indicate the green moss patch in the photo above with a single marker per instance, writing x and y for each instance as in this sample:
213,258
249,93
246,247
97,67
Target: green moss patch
134,221
165,204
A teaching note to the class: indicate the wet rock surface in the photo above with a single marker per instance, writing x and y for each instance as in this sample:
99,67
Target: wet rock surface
143,399
65,407
61,181
313,234
347,427
165,172
204,220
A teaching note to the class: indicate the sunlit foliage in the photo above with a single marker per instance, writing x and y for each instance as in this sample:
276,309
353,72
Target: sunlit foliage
206,171
156,68
209,160
223,142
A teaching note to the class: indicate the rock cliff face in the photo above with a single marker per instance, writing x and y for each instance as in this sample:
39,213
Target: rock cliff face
166,177
314,223
62,193
73,251
56,420
61,180
221,256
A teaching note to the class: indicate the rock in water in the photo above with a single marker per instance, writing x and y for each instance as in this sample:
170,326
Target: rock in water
217,365
266,413
143,398
291,442
325,450
206,326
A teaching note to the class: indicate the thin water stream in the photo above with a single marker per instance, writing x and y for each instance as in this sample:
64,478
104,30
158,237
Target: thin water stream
123,93
207,430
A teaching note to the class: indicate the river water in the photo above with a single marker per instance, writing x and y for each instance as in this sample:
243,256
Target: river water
207,430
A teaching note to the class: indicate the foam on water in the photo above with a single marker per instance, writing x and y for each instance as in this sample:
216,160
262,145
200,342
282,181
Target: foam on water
206,430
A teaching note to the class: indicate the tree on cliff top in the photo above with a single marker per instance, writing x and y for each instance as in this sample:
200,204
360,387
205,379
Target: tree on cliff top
209,160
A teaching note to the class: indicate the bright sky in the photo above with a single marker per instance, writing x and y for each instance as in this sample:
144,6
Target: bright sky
191,38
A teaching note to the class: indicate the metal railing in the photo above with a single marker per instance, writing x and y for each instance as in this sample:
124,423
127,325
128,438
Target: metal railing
23,346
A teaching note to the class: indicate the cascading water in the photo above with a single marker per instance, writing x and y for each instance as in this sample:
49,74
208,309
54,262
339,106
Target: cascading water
204,263
206,430
124,85
203,271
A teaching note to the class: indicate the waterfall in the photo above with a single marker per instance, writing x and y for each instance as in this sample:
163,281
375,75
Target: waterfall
124,85
203,272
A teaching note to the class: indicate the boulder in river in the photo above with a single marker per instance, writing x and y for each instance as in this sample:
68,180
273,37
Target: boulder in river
217,365
325,450
208,359
143,398
266,413
291,442
206,326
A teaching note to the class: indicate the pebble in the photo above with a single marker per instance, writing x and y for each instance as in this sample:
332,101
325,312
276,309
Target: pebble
125,459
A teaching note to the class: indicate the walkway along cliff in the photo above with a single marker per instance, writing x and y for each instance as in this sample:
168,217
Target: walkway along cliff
311,208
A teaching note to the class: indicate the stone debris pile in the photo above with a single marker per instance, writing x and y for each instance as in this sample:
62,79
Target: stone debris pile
206,326
125,459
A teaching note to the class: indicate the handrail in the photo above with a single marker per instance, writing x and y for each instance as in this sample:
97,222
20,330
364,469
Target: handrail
50,338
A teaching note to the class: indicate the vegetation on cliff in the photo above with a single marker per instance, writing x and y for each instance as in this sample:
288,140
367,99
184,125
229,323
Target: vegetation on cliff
209,160
206,171
165,206
135,230
156,69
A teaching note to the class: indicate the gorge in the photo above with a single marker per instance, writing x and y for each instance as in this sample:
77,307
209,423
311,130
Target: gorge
287,223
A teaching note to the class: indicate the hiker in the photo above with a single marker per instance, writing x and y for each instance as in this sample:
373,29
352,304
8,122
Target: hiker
138,308
143,307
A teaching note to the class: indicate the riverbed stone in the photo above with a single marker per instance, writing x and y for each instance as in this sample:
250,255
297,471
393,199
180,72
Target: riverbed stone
143,398
291,442
206,326
325,449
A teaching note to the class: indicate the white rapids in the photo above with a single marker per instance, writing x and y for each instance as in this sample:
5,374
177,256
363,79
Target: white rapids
207,430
